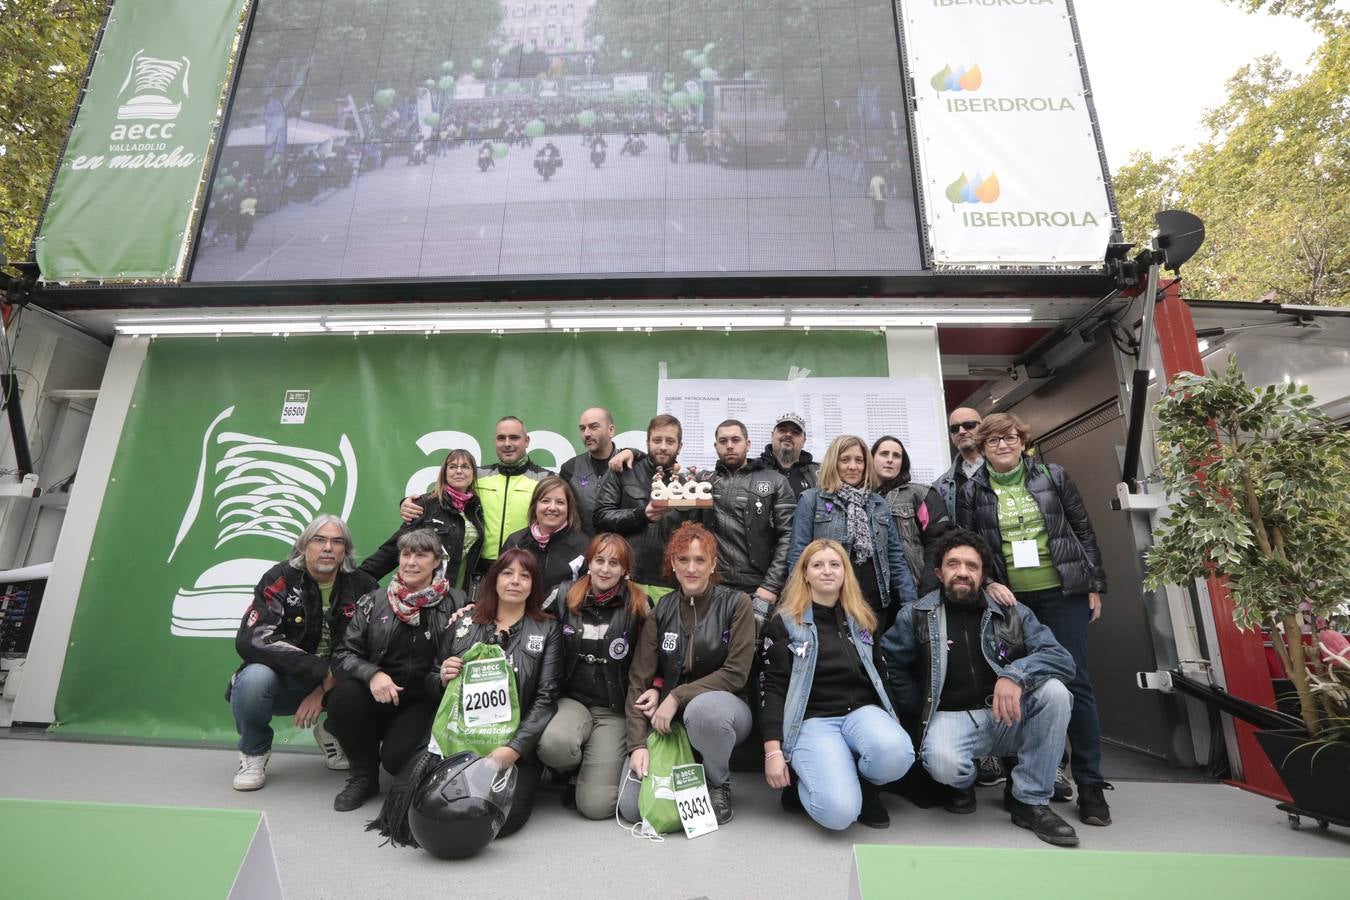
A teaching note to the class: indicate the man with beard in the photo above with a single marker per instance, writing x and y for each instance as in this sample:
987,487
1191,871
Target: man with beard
997,688
785,455
584,471
753,511
623,505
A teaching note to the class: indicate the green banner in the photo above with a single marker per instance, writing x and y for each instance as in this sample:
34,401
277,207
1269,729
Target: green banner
123,204
229,443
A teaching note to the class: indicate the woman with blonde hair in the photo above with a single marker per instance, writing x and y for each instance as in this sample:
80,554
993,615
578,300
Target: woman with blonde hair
602,614
845,507
825,712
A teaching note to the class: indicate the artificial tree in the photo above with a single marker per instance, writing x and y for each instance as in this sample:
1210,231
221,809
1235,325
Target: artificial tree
1258,482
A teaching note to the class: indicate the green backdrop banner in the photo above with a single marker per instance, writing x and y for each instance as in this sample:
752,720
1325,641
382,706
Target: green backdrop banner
122,204
207,477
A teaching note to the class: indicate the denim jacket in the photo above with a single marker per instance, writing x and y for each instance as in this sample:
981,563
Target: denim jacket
820,515
1015,645
805,645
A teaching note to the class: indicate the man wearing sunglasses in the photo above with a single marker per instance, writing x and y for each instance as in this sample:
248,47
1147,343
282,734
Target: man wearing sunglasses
299,613
961,424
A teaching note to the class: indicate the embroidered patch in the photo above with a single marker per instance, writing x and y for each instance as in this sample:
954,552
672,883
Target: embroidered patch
293,598
865,636
618,648
252,617
763,488
463,628
668,641
348,610
584,480
535,644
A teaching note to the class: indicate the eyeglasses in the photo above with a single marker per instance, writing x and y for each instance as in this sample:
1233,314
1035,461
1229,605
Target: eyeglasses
458,467
1008,440
320,541
963,426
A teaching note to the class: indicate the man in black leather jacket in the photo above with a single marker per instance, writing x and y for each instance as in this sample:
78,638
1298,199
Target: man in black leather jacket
623,506
301,608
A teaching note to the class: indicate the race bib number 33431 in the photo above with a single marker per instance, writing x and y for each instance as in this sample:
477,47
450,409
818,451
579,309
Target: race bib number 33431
486,698
691,799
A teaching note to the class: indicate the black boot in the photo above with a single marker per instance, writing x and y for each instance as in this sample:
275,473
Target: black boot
873,813
961,802
1043,822
361,786
1092,806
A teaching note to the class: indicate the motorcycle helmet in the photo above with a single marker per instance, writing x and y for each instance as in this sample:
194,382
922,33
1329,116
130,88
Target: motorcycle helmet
460,804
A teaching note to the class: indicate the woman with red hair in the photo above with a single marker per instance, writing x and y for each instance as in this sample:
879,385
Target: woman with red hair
691,663
602,615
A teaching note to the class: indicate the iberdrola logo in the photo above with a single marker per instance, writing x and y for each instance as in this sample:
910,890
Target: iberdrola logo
973,190
962,79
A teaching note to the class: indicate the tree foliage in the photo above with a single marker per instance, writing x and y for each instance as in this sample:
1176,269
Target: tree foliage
1268,506
1272,182
44,49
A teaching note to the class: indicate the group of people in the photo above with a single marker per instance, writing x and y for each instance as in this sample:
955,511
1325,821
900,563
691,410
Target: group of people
851,619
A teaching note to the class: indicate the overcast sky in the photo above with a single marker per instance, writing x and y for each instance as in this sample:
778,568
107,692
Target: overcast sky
1180,52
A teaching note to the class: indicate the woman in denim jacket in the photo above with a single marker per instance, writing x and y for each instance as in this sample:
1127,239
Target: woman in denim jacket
845,508
825,710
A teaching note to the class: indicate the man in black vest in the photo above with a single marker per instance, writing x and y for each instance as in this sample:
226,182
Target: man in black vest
584,471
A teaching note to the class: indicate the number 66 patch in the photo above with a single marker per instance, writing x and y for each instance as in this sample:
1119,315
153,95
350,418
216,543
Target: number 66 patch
486,699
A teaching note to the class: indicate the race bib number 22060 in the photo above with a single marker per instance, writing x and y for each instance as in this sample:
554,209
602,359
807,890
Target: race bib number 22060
486,699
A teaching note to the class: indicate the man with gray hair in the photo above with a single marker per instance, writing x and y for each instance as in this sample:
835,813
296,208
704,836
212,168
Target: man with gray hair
300,610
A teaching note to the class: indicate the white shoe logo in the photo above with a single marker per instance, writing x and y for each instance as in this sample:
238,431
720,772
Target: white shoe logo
263,491
154,81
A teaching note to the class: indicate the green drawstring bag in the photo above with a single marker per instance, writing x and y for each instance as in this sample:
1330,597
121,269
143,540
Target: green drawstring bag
481,709
656,798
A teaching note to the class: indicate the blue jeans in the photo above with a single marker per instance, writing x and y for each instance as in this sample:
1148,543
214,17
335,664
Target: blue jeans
956,739
832,752
259,693
1068,616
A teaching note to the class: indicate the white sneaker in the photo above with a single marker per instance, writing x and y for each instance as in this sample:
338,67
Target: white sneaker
333,756
252,772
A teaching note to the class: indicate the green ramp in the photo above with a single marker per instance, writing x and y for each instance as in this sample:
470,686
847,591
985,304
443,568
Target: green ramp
977,873
62,850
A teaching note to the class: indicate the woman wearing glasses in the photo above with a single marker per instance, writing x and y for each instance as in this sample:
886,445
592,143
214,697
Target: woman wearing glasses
846,508
453,511
1031,513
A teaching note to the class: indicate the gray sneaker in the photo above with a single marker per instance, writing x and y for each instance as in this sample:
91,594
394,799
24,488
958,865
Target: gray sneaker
720,795
989,771
333,756
252,772
1063,790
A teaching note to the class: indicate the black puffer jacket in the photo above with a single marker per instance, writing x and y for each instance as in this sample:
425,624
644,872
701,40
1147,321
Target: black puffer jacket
753,526
621,508
366,640
1073,544
564,559
535,650
446,521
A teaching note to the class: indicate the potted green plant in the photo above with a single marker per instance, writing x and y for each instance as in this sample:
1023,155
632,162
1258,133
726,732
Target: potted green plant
1258,483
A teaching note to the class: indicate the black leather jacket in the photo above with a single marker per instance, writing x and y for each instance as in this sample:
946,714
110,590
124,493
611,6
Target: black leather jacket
1073,544
284,624
535,650
564,559
446,521
366,641
753,526
597,678
801,475
620,507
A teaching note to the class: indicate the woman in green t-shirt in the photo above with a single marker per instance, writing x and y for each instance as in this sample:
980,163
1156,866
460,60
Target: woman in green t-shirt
1031,513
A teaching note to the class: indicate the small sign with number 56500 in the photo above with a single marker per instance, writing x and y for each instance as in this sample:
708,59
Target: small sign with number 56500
294,408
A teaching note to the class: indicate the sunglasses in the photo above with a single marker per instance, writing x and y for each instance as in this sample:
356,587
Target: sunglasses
967,426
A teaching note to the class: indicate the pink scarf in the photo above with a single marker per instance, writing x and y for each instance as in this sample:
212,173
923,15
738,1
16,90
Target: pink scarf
540,537
458,499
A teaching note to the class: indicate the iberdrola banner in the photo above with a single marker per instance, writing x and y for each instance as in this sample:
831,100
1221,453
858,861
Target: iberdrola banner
1008,155
231,447
123,204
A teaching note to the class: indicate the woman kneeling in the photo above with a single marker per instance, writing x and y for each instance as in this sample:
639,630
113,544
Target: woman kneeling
825,708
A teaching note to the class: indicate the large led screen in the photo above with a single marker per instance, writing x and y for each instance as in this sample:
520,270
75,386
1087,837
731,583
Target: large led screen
478,138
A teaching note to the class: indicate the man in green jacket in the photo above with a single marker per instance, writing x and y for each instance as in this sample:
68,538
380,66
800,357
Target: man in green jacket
504,488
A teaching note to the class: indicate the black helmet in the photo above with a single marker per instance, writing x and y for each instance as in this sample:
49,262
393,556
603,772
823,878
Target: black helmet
460,805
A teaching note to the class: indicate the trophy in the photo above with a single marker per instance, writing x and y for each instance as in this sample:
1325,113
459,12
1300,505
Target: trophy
682,491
